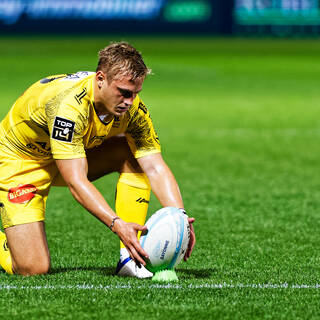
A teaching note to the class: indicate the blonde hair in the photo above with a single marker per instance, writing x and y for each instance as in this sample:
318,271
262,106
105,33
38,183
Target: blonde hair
120,59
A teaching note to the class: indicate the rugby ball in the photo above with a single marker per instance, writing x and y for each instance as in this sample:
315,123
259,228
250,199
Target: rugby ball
167,239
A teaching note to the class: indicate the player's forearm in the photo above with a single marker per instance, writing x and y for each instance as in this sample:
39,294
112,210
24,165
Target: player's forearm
74,172
92,200
165,187
163,182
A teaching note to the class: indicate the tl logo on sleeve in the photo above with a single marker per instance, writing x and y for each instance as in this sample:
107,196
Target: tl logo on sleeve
63,129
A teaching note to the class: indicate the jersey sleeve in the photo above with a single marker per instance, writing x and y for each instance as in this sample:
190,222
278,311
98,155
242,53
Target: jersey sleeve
67,124
140,133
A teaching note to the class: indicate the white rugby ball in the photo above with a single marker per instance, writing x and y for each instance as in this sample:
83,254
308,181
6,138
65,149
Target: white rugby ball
167,239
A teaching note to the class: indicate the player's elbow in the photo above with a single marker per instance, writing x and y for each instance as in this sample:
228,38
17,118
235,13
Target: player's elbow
154,166
156,170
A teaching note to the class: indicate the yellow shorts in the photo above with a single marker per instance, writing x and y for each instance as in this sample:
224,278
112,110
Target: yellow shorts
24,188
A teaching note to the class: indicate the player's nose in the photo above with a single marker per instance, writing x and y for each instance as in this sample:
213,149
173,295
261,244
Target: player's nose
128,101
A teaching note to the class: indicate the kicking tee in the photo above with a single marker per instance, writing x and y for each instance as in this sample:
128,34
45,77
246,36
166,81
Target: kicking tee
56,119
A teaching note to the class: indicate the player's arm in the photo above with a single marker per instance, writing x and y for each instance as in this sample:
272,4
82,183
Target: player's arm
74,172
165,188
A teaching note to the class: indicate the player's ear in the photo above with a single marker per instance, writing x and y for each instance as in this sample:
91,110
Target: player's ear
101,78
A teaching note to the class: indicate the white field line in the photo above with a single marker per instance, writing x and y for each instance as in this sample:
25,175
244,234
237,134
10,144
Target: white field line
4,287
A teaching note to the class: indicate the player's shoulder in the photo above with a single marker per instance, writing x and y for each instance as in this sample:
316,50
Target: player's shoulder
71,94
77,86
78,77
66,84
67,78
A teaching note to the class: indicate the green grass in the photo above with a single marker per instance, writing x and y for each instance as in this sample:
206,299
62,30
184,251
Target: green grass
239,123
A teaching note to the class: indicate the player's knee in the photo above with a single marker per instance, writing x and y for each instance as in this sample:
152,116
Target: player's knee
129,162
123,149
113,155
31,268
124,158
131,165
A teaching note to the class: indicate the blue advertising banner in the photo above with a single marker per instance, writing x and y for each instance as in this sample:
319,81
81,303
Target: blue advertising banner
116,15
277,12
11,11
280,17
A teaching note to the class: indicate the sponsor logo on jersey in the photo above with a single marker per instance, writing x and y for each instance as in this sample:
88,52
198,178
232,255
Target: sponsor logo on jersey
38,148
81,95
63,129
70,76
22,193
78,75
142,200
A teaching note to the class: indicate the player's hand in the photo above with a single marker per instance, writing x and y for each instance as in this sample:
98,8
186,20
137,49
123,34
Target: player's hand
127,232
192,240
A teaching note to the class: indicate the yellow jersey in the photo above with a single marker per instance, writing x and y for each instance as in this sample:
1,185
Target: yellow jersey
56,119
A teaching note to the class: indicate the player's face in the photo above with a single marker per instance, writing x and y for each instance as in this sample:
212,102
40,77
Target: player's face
117,96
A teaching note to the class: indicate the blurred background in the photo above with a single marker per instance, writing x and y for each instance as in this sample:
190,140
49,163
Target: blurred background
237,17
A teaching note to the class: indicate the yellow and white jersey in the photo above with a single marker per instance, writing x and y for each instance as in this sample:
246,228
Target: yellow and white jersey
55,118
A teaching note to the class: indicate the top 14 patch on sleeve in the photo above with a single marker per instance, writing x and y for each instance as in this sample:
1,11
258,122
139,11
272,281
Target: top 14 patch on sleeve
63,129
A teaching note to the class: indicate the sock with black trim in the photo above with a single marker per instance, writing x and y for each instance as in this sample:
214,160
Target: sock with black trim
132,201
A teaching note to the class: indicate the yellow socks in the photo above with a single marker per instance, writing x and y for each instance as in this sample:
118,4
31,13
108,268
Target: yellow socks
132,198
5,257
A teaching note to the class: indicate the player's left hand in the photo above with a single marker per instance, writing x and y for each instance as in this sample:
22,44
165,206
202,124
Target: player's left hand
127,232
192,240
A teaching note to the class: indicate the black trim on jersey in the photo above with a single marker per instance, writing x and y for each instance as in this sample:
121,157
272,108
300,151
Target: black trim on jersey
43,127
47,80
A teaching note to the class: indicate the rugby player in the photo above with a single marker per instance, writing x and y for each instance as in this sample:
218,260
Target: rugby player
69,130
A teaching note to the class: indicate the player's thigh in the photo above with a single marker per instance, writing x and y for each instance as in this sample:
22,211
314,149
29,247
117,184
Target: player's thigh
113,155
24,188
29,248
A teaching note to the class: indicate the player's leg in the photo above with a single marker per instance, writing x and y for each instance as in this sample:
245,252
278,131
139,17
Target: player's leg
133,188
24,188
132,200
28,249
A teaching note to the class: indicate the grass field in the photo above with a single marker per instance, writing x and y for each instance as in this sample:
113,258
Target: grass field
239,123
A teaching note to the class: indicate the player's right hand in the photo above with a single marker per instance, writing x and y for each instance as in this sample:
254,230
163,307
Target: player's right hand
192,240
127,232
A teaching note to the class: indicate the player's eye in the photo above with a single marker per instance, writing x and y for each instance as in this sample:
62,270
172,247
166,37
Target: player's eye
126,93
